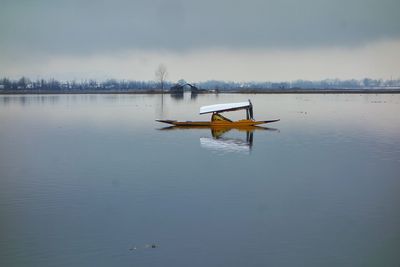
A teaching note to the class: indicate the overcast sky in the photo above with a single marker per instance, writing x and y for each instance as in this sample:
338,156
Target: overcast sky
200,40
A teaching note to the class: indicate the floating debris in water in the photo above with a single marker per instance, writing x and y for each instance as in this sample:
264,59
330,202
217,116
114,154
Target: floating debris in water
152,245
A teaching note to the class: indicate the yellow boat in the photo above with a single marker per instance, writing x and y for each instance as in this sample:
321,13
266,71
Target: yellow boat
219,121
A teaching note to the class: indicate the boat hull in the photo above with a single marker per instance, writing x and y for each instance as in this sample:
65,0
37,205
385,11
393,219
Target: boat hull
217,124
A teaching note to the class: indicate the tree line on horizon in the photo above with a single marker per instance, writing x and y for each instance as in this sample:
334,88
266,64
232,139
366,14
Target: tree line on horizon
26,84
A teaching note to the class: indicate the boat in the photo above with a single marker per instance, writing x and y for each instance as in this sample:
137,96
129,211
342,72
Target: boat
220,141
219,121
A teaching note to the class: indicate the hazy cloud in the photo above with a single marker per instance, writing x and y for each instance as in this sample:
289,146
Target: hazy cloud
378,60
79,26
199,39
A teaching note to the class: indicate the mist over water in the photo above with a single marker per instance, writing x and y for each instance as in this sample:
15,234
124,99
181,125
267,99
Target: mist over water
93,180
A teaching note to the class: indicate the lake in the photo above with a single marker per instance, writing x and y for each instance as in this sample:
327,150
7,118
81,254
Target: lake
93,180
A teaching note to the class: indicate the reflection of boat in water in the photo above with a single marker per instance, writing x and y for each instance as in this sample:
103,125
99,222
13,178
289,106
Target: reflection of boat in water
219,121
220,142
226,145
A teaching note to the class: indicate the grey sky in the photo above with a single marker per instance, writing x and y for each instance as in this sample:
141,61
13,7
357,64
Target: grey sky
54,28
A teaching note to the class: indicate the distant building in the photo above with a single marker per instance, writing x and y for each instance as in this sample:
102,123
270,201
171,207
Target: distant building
177,89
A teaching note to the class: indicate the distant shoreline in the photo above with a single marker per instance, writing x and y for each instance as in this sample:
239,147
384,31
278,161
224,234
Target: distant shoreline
238,91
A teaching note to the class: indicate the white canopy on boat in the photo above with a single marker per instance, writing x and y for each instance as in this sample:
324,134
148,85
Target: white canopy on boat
225,107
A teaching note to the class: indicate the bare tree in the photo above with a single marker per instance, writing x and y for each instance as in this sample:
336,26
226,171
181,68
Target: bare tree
161,75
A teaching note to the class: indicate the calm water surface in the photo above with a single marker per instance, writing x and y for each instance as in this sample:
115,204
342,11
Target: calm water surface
93,180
